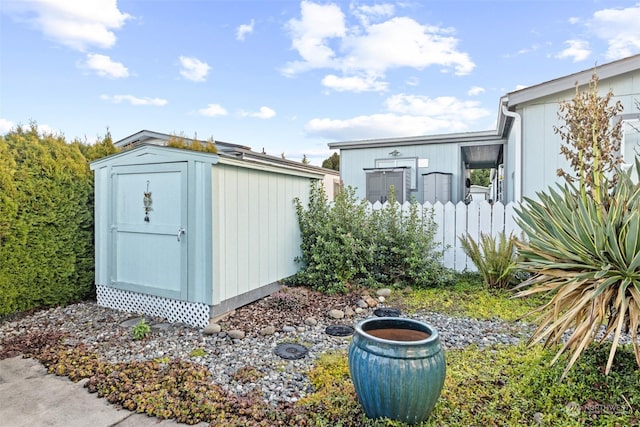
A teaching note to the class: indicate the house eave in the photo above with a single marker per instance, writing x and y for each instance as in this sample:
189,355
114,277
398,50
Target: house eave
466,137
611,69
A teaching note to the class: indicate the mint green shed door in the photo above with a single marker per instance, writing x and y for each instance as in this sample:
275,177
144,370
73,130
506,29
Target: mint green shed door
149,251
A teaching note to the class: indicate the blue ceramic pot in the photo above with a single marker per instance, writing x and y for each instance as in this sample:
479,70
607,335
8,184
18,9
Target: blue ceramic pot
398,367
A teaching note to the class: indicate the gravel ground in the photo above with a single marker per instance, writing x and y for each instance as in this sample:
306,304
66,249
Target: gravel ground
294,315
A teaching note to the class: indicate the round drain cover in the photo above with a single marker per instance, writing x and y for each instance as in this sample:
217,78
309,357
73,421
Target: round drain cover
291,351
387,312
339,330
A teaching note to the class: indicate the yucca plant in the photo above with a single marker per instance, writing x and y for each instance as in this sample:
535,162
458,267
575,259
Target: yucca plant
583,238
495,258
591,267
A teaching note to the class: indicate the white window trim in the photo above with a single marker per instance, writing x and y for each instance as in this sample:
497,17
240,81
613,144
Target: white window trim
635,123
413,168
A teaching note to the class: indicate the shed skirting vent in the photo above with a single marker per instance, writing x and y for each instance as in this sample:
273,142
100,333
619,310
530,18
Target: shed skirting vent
192,313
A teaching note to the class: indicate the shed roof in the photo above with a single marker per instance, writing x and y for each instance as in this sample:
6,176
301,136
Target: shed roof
145,135
150,153
153,153
226,149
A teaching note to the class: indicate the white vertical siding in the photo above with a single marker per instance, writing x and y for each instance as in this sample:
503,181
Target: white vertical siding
258,236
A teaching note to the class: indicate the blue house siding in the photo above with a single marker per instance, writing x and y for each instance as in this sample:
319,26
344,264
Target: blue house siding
530,155
541,147
440,158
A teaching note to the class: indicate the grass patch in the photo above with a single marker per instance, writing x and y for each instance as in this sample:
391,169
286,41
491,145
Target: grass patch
504,386
469,297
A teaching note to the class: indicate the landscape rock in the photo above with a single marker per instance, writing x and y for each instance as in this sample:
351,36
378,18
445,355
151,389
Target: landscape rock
236,334
311,321
363,304
88,324
268,330
381,299
348,312
336,314
212,328
384,292
371,302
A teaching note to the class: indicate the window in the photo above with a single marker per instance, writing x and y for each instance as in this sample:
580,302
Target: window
630,143
407,162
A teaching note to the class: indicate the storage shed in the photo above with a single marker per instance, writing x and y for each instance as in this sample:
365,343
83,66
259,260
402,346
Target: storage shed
188,235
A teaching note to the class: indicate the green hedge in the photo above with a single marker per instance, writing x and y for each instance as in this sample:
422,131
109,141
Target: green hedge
46,220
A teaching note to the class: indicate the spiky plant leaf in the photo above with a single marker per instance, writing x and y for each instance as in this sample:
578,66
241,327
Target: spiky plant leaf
587,256
495,258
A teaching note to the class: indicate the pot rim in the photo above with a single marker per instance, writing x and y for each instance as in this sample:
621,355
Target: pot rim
433,333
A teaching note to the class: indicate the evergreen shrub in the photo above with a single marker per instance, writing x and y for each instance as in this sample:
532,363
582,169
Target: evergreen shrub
46,221
346,244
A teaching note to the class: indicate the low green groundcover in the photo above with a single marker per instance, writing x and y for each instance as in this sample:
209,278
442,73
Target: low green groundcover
501,386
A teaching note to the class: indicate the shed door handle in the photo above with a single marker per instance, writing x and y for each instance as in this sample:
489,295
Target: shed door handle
181,231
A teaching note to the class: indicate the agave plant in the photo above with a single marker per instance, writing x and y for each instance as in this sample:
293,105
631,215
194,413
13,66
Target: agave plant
495,258
587,256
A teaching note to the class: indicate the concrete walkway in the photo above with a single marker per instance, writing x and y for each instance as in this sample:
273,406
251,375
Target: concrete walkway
30,397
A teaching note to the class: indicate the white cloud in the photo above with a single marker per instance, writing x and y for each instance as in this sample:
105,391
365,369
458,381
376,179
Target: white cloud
310,35
263,113
77,24
324,39
6,126
44,130
620,29
413,81
104,66
403,42
406,115
573,20
213,110
134,100
378,126
48,130
442,107
377,12
193,69
244,29
354,83
578,50
525,50
476,90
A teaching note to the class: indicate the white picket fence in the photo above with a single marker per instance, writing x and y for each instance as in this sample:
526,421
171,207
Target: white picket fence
458,220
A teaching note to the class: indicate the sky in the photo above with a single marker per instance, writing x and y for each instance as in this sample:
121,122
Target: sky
288,77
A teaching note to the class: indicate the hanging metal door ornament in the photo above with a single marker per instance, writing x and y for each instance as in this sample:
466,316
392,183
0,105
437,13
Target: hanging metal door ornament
147,202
